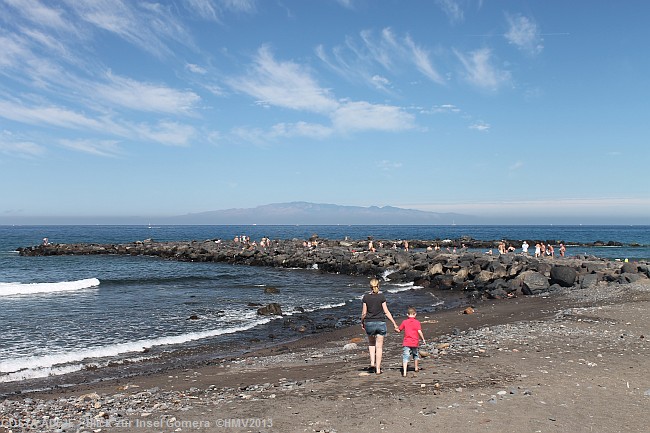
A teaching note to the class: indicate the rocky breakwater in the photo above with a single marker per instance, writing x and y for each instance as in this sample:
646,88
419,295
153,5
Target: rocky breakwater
477,274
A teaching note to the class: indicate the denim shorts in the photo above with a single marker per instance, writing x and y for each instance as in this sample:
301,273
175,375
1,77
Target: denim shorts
376,328
408,351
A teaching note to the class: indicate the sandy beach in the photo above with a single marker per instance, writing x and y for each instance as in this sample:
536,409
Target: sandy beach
574,361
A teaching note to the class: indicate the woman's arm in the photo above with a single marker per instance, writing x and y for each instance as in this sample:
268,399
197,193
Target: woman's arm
364,311
390,316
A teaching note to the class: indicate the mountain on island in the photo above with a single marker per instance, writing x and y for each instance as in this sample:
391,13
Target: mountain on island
305,213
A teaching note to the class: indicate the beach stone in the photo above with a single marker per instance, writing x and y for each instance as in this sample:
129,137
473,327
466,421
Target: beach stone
534,283
627,278
589,281
350,346
484,277
436,269
444,282
565,276
271,309
630,268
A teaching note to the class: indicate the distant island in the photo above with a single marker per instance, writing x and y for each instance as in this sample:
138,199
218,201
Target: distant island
306,213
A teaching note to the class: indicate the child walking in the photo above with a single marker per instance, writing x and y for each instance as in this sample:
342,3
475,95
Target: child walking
412,334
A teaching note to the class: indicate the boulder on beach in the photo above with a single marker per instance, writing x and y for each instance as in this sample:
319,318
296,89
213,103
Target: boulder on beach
565,276
272,309
534,283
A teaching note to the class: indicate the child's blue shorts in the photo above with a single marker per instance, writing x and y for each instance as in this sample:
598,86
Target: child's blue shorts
408,351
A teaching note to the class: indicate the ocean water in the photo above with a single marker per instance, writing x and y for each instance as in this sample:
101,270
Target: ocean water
68,314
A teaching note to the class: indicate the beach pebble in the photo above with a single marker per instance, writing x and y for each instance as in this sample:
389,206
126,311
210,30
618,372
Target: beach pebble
350,346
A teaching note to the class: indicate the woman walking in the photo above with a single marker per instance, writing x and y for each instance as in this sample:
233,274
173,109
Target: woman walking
373,320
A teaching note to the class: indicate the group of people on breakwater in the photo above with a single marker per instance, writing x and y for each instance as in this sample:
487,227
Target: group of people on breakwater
541,249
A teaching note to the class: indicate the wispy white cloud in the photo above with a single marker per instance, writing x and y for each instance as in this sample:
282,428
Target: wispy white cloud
359,116
206,9
479,70
421,59
163,132
452,9
148,26
283,130
300,129
480,126
248,6
104,148
394,54
41,15
444,108
524,34
20,148
141,96
380,82
47,115
518,165
386,165
13,52
348,4
196,69
380,50
283,84
166,132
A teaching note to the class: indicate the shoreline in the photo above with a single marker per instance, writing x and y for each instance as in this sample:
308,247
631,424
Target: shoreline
575,360
282,332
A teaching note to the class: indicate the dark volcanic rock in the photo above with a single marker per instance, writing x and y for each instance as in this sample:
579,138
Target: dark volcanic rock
565,276
534,283
272,309
271,290
589,281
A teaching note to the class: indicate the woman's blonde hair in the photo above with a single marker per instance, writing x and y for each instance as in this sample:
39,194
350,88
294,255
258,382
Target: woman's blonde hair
374,283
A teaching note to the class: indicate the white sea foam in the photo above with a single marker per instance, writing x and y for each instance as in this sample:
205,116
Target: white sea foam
27,367
386,273
320,307
8,289
402,287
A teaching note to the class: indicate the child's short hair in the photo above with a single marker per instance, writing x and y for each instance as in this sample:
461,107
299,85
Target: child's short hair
411,311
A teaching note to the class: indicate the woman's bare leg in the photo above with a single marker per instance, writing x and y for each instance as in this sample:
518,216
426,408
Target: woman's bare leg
372,349
378,349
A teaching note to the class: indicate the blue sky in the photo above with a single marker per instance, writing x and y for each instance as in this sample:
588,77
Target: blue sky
515,108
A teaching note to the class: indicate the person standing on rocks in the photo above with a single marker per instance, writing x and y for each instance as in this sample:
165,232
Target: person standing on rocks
550,251
373,320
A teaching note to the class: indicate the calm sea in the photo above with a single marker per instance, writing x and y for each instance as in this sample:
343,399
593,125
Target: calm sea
73,313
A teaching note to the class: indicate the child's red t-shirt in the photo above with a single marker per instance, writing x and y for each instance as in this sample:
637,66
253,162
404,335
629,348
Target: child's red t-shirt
411,326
